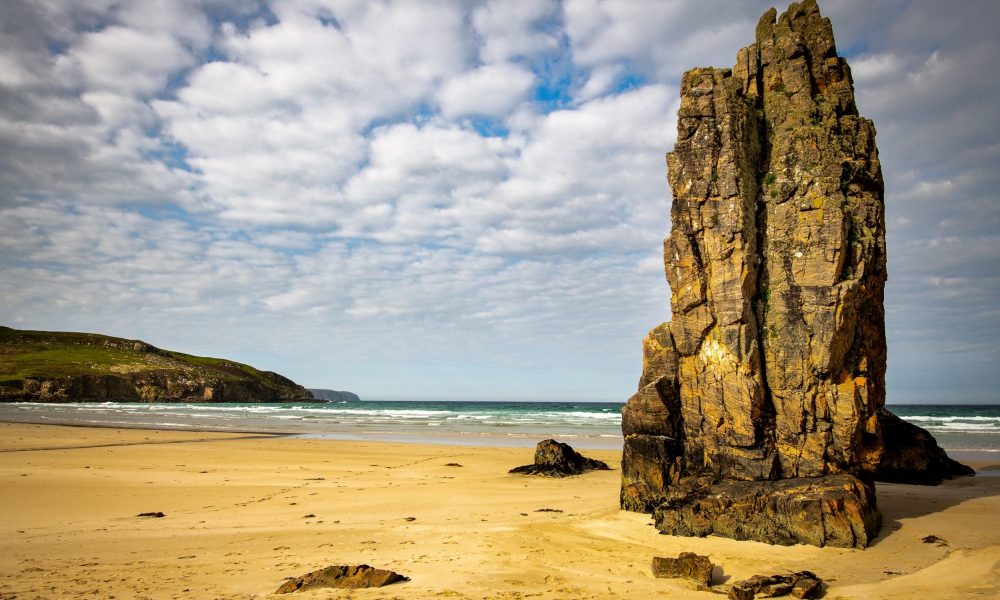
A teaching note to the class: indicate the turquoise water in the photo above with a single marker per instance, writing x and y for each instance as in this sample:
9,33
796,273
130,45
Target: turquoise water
961,429
583,424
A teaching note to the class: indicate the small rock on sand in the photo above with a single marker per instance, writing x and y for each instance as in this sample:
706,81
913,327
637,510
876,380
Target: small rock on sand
933,539
688,565
803,584
343,577
555,459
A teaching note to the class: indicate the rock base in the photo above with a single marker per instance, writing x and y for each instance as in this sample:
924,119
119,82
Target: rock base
650,464
834,510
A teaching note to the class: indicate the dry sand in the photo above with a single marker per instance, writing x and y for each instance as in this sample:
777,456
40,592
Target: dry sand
244,512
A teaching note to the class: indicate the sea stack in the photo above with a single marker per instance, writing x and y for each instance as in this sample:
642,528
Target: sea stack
760,407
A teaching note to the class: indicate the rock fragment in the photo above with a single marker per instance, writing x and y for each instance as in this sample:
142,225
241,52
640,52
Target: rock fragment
556,459
803,584
933,539
341,577
687,565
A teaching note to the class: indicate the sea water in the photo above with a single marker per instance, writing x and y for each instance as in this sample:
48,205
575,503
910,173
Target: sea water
583,424
963,430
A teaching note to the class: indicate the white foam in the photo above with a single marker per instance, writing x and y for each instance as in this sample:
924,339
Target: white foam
950,419
958,428
591,415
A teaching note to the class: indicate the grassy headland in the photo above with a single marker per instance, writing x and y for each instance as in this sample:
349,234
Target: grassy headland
56,366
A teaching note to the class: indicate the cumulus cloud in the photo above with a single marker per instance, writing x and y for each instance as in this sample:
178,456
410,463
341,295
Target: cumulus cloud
445,199
511,30
658,39
491,90
148,58
588,180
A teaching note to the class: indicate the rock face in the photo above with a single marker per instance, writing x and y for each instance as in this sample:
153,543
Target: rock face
773,366
155,386
343,577
555,459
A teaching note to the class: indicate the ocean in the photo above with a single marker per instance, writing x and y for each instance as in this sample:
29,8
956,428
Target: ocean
962,430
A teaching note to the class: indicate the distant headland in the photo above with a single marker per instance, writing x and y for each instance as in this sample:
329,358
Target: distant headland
334,395
57,366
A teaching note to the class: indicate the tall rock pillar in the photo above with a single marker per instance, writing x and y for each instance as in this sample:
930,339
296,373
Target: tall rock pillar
759,409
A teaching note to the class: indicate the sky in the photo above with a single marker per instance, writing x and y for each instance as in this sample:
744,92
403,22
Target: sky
450,200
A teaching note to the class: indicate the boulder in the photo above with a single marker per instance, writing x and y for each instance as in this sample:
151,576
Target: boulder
912,455
342,577
555,459
687,565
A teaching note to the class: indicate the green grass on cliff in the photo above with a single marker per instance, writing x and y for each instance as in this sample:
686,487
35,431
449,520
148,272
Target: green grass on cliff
55,355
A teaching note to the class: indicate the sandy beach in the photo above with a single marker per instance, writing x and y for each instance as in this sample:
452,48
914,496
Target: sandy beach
242,512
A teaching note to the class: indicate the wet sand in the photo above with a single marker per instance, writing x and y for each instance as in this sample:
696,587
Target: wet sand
244,512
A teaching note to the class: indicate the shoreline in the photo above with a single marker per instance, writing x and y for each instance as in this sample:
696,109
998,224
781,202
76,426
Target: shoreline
437,438
985,460
244,512
145,427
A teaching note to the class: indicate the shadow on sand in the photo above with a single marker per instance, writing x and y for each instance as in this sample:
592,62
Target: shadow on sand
899,502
